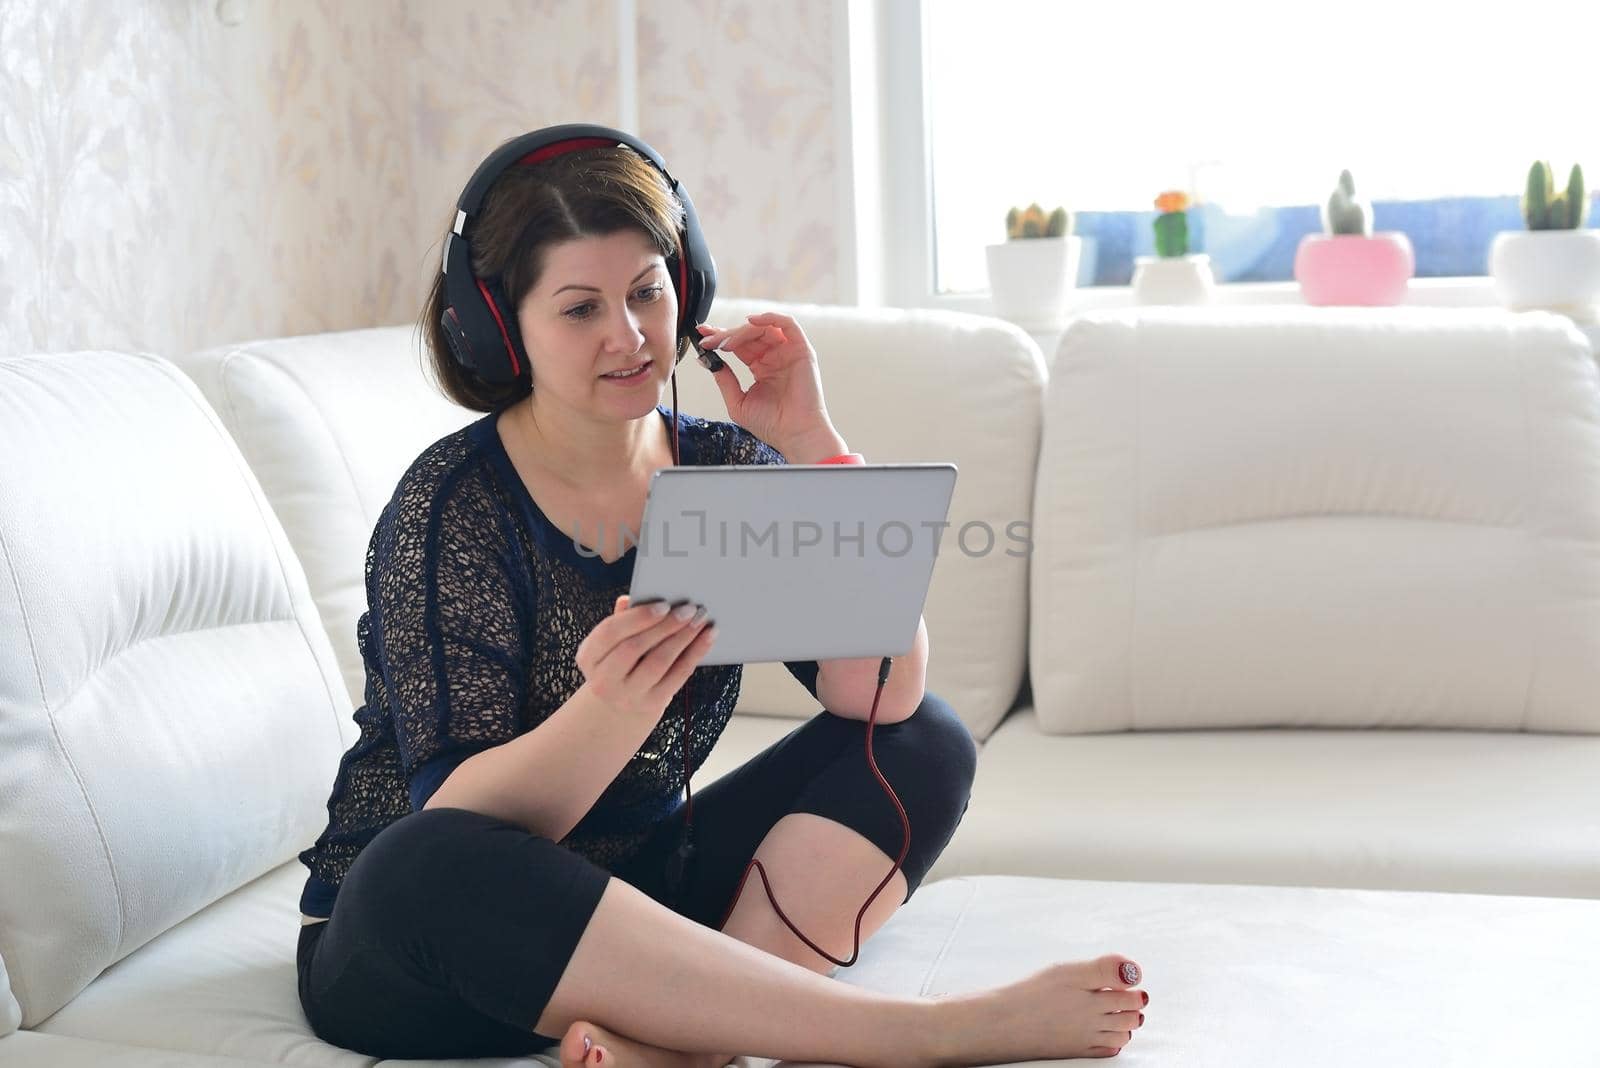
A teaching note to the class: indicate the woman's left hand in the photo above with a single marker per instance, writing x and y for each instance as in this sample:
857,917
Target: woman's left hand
784,404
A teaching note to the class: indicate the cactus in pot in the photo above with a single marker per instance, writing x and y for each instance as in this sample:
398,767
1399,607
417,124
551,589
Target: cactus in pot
1172,225
1029,278
1554,264
1349,264
1173,275
1032,222
1545,209
1346,213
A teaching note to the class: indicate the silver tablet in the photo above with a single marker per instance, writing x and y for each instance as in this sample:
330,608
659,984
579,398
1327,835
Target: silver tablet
799,561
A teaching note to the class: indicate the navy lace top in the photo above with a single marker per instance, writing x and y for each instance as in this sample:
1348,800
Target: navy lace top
476,603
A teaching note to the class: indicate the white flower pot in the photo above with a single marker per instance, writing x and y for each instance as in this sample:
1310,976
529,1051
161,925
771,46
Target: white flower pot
1173,280
1030,279
1552,270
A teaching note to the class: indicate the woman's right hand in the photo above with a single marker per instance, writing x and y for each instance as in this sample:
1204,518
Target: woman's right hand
635,659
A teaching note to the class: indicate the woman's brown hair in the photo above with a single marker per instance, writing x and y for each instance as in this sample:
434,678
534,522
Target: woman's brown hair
592,192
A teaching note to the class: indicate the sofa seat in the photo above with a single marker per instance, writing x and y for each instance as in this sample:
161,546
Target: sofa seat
221,982
1491,812
1238,975
30,1049
219,988
1257,976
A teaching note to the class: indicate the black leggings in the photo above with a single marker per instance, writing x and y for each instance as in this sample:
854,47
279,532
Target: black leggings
451,929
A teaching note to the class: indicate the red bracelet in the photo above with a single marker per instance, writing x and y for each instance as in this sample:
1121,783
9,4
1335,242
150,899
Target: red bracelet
844,458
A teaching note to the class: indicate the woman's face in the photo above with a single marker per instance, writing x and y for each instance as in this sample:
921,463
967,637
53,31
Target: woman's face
603,304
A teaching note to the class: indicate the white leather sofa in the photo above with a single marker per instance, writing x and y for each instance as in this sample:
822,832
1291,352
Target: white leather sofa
1313,601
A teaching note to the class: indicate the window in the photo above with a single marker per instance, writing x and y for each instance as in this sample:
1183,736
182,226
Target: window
1254,108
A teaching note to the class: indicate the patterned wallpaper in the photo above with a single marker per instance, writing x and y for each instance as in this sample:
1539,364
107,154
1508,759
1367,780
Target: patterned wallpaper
738,97
176,174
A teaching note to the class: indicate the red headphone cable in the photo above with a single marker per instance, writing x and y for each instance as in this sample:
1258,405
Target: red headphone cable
678,862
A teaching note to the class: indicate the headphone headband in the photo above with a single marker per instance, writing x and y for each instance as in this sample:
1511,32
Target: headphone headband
480,321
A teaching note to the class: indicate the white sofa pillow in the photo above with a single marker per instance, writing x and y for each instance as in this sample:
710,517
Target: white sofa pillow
926,385
1353,517
329,423
170,708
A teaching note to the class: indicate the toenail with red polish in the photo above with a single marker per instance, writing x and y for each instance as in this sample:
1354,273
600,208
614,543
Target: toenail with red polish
1130,972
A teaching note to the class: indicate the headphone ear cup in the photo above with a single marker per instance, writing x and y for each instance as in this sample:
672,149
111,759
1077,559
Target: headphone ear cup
470,322
507,314
698,270
456,336
691,303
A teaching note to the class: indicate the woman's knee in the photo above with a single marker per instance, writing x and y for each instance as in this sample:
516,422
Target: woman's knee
941,737
929,760
935,774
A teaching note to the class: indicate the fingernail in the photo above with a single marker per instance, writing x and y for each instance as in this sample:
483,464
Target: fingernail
587,1044
710,631
701,614
660,608
1141,1019
1130,972
683,611
599,1056
1146,996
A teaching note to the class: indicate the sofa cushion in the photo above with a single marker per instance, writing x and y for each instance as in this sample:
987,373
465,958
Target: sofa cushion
330,421
1343,517
30,1049
1237,975
170,709
221,983
1261,977
1488,812
928,385
10,1011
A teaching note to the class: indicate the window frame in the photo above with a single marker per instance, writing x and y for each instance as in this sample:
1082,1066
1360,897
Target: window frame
891,180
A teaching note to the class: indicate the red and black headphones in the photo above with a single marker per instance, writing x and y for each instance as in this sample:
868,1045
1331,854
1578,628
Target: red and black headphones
481,323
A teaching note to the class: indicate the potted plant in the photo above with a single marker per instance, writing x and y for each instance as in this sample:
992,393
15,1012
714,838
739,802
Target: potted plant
1034,269
1554,264
1347,263
1173,275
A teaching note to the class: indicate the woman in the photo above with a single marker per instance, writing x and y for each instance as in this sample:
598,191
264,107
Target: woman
493,879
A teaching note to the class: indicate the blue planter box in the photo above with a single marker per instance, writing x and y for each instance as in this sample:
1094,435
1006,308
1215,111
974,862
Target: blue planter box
1451,237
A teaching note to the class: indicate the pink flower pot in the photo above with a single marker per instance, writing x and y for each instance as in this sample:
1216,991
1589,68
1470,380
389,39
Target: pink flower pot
1352,269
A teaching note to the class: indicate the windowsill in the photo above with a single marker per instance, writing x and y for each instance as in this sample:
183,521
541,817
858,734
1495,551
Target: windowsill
1422,292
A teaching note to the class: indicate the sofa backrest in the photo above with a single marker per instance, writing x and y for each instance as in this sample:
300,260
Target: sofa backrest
170,708
927,385
331,421
1341,517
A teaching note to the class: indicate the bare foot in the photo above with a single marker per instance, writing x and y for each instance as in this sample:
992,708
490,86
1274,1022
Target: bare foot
1076,1009
611,1050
